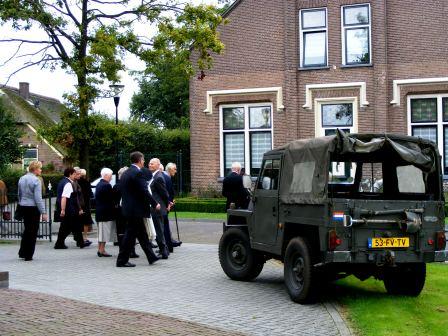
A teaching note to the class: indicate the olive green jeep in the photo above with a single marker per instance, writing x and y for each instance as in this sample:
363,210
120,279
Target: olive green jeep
361,204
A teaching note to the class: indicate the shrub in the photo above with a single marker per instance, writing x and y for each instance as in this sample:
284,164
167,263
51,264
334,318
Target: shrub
193,204
11,178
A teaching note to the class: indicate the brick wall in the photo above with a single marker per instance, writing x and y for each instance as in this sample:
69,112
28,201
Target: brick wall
45,153
262,50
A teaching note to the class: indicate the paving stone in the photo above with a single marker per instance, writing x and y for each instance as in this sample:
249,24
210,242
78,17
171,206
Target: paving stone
189,286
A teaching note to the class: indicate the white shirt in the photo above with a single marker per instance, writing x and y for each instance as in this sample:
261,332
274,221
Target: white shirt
68,189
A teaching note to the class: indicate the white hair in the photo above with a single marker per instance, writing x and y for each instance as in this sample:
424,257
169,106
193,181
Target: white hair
83,172
77,169
169,166
106,171
236,166
121,171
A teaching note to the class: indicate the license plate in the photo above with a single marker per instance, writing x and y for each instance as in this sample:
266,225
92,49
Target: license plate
388,242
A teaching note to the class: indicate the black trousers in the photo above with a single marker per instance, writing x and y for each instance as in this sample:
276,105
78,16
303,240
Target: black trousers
31,218
167,233
70,224
160,235
135,229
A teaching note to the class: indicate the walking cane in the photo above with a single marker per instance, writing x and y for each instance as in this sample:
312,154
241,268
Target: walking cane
177,225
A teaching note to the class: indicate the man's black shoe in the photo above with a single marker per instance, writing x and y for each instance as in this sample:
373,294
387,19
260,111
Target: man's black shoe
60,247
134,255
154,245
28,258
153,260
162,256
176,243
128,264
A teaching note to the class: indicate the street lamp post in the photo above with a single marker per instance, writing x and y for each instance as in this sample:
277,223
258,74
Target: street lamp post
116,90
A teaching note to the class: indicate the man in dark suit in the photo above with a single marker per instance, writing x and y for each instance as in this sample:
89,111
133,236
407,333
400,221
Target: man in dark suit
169,173
136,201
160,194
233,188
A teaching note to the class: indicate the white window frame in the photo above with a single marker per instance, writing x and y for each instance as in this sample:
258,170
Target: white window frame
344,28
247,130
440,124
34,159
310,30
319,129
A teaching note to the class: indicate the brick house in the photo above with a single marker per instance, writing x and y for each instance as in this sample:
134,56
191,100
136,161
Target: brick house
32,111
302,68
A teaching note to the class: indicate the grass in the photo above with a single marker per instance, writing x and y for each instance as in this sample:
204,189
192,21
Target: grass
198,215
371,311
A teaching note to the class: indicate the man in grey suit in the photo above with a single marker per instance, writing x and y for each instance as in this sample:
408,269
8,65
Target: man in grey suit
161,196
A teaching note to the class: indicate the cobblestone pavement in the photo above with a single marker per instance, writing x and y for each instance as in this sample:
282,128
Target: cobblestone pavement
27,313
190,286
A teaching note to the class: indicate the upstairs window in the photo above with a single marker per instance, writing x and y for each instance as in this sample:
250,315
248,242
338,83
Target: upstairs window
313,37
356,34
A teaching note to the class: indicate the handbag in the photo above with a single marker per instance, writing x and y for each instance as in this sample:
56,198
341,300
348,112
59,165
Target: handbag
6,215
18,214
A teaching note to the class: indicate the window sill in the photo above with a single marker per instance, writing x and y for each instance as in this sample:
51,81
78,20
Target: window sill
314,68
342,66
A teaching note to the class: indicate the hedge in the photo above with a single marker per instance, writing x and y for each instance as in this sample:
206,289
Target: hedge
11,178
210,205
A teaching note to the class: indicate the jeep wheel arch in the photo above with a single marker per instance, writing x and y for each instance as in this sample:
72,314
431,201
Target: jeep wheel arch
238,260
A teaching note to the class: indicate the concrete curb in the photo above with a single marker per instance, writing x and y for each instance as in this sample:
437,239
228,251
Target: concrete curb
343,328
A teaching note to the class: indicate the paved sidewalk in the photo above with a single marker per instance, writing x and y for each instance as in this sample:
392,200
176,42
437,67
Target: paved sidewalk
27,313
189,286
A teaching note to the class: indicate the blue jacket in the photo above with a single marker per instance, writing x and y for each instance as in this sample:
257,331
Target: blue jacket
104,201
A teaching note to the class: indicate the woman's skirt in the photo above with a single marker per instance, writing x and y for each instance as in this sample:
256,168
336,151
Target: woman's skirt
107,232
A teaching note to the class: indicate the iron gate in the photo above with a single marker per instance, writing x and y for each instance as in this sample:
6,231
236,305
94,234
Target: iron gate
12,228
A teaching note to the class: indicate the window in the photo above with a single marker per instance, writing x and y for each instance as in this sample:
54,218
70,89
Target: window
356,34
331,115
313,37
303,175
428,119
246,134
31,154
270,175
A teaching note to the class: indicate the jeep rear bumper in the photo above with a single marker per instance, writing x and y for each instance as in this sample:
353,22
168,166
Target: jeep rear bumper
384,256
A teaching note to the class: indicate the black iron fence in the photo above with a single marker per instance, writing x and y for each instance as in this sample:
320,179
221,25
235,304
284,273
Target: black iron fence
12,228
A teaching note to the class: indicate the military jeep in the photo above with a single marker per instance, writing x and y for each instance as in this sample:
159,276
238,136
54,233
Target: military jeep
361,204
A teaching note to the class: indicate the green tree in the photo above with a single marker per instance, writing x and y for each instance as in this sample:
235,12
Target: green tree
10,148
89,38
163,99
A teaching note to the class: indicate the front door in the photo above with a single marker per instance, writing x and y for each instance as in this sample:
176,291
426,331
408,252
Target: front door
265,223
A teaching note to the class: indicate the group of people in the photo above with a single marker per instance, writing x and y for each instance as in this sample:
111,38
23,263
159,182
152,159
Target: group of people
136,207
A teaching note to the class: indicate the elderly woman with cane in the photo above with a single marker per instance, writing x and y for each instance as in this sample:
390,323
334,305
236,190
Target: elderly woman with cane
31,207
105,212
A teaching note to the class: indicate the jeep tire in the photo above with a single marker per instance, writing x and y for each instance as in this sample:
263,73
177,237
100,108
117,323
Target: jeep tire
405,279
237,258
300,278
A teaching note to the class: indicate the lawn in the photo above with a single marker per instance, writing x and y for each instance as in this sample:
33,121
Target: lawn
371,311
198,215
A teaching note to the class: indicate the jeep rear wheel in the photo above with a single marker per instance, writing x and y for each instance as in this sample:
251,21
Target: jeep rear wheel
405,279
237,258
298,271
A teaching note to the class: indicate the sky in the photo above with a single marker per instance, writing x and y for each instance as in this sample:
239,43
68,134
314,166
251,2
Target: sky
55,83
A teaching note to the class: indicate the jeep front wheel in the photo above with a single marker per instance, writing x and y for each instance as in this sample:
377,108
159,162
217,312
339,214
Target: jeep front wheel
298,272
405,279
237,258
